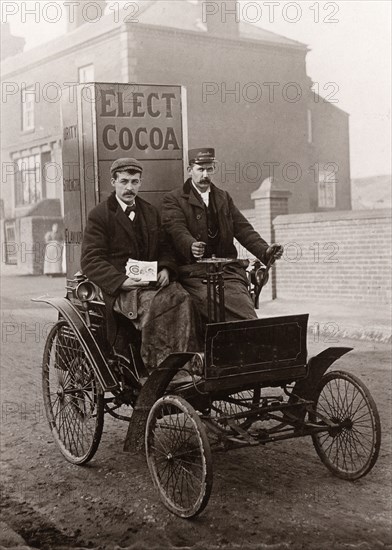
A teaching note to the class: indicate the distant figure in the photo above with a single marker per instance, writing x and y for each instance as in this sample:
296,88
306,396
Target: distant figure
53,263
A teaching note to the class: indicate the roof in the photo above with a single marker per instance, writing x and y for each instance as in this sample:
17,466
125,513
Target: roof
187,15
169,14
70,40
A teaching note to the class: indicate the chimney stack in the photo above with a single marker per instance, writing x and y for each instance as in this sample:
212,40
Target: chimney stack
10,45
84,12
222,18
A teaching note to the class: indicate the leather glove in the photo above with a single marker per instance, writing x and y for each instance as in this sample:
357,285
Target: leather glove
274,252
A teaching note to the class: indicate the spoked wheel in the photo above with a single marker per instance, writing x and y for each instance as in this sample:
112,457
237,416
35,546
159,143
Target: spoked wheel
236,403
350,450
72,396
179,456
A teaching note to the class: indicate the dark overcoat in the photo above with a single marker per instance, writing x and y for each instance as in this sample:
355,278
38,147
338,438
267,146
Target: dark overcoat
184,218
109,240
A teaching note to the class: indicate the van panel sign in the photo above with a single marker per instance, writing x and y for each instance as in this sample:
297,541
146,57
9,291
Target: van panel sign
102,122
144,123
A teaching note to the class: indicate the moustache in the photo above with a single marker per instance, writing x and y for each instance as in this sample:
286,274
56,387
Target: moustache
205,180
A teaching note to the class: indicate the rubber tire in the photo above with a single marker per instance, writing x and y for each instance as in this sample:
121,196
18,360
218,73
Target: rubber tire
171,404
346,435
62,409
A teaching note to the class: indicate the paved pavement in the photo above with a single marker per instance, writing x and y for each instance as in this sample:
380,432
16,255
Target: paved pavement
332,321
328,321
18,290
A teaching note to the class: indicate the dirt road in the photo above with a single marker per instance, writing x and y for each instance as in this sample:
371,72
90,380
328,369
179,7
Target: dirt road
278,496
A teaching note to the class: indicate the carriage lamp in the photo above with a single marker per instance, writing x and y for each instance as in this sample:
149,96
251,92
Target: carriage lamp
196,364
85,291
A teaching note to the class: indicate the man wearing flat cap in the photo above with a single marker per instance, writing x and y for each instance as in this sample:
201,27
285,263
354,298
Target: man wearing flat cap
202,221
127,227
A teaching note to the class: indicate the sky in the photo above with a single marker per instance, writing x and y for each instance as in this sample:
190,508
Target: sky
355,54
350,59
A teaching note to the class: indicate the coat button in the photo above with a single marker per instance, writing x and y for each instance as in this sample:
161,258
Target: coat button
199,216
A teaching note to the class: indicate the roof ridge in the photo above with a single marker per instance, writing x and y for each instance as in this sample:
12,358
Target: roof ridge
83,32
275,34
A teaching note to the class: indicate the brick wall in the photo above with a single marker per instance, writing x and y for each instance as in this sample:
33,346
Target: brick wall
341,255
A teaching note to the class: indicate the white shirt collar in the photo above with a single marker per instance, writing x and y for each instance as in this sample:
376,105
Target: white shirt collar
124,207
205,196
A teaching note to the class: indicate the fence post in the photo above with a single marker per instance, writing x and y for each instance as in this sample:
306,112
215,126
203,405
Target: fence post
271,200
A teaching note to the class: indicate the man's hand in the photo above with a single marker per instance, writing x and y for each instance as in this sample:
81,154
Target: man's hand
131,283
198,249
274,252
163,278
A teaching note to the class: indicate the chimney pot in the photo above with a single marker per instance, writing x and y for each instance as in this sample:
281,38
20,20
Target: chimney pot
223,18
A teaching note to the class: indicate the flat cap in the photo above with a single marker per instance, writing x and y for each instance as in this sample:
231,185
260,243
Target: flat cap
203,155
123,164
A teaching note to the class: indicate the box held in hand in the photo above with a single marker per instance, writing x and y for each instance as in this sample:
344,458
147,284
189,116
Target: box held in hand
146,271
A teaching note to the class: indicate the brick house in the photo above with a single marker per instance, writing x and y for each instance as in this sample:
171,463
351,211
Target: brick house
248,91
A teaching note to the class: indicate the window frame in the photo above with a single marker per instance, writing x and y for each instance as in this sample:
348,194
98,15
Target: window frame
309,123
326,189
28,114
28,180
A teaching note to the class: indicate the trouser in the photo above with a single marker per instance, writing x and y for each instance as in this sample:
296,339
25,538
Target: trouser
238,303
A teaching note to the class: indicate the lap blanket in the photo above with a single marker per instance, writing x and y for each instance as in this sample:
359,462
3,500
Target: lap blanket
166,318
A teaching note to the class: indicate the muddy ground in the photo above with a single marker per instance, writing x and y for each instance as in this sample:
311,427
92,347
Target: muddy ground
276,496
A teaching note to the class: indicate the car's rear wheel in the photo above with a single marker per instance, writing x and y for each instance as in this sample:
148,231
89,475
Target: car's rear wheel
73,398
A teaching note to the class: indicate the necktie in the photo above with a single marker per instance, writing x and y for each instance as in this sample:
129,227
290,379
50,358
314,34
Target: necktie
130,212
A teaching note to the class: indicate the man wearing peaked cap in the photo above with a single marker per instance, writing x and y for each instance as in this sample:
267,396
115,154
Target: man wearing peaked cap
127,227
201,156
122,164
202,220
